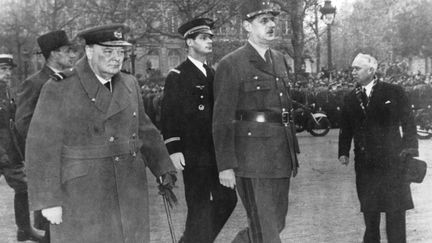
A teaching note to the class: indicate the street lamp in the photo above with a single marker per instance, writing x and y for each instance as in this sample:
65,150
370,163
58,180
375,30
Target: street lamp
328,15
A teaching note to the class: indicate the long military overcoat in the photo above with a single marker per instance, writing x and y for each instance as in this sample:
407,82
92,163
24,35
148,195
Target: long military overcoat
245,82
377,145
84,150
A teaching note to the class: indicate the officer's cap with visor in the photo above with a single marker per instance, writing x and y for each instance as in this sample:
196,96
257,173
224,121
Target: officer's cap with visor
112,35
249,9
7,60
52,41
365,60
196,26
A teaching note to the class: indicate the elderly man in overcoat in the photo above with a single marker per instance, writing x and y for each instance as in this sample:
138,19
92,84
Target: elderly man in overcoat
59,55
255,142
372,114
88,146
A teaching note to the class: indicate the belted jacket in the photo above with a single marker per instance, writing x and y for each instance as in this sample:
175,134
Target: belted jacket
244,82
87,149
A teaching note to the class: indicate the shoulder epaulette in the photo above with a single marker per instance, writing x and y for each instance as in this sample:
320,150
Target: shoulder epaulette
62,75
175,70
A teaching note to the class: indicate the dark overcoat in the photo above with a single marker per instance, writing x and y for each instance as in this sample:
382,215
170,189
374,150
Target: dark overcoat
187,109
245,82
84,152
27,97
377,145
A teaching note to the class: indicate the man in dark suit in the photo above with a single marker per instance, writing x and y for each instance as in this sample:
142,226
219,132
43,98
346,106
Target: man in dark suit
11,158
88,146
255,142
59,55
372,114
186,121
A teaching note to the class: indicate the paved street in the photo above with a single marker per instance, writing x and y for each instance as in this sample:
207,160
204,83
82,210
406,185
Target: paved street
323,202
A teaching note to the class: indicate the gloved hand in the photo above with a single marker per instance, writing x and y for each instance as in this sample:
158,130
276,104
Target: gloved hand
408,152
54,214
178,160
166,184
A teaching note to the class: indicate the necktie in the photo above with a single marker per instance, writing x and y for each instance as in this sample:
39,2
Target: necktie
108,85
267,56
208,70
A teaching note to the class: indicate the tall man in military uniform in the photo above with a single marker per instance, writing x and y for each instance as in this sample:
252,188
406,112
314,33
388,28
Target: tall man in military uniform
372,114
11,159
256,146
59,55
186,126
88,145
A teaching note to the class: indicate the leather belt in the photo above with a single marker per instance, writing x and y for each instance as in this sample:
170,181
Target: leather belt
264,116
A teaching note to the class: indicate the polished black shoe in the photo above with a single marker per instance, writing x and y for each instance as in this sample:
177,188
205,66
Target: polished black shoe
28,234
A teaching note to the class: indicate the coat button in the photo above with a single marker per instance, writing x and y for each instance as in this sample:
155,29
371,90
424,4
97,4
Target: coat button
202,96
280,94
134,135
283,109
249,133
93,99
134,154
111,139
258,87
277,79
117,159
134,114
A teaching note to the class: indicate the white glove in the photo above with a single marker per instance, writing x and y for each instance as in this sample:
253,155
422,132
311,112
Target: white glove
178,160
54,214
227,178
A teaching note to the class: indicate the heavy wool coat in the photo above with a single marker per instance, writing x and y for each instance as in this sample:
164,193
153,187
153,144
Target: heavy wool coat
377,145
85,150
245,82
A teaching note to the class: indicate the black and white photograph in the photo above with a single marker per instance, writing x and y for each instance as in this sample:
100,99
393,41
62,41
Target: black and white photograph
215,121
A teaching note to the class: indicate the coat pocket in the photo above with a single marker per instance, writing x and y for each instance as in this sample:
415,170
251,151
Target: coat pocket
73,168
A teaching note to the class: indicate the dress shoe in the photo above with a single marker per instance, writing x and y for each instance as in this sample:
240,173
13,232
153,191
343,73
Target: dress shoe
28,234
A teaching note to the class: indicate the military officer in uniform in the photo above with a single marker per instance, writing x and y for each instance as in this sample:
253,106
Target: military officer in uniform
59,55
255,141
372,114
187,109
11,159
88,145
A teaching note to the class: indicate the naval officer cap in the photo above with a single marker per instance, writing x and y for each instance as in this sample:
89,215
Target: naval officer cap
249,9
200,25
7,60
107,35
52,41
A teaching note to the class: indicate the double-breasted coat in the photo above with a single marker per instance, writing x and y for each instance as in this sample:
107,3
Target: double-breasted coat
87,151
377,145
245,82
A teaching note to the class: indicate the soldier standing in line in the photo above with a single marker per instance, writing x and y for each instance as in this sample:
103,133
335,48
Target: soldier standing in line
88,146
59,55
11,159
255,141
187,109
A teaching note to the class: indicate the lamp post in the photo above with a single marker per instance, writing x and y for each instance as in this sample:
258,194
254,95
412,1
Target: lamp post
328,14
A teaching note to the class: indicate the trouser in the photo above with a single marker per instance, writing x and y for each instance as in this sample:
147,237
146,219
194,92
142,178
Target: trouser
395,227
266,204
209,204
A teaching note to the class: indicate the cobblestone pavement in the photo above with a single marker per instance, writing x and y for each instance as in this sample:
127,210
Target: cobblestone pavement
323,202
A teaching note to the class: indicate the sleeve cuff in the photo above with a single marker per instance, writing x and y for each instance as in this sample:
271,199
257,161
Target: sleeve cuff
174,145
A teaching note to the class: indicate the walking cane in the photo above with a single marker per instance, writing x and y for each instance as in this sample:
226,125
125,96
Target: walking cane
169,199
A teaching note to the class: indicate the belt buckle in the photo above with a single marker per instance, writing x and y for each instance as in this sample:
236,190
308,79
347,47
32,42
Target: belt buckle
285,117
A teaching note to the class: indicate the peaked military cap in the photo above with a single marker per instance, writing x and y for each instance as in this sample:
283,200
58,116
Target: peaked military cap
7,60
252,8
200,25
52,41
106,35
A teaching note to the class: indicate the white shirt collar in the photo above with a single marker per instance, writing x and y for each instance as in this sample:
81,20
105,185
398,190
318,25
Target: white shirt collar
261,51
198,64
54,69
102,80
369,86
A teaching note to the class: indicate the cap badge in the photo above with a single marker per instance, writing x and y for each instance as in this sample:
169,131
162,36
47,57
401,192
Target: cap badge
118,34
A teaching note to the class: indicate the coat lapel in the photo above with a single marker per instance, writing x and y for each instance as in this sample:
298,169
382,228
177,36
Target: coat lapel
120,96
257,61
97,93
